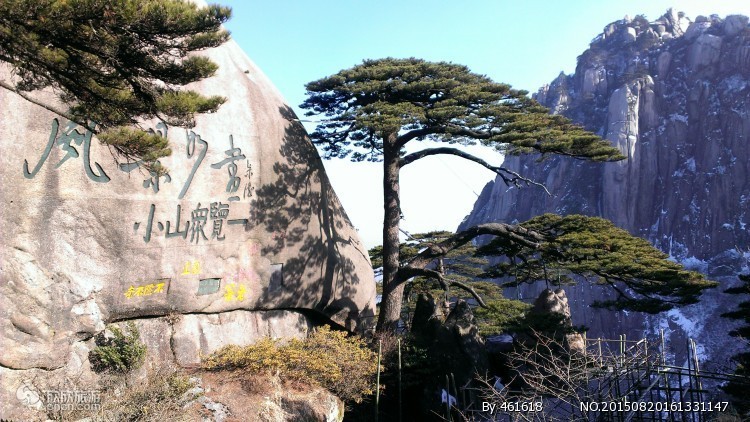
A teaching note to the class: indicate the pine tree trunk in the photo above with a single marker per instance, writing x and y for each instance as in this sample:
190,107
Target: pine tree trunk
390,306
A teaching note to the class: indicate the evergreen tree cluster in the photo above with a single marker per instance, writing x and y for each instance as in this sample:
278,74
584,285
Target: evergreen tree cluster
373,110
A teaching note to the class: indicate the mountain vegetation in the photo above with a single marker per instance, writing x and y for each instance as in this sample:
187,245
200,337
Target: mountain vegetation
373,110
552,249
340,363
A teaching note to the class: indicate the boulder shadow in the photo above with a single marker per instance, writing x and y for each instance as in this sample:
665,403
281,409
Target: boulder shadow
301,213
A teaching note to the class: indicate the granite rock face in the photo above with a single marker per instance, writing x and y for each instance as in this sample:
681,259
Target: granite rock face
680,111
556,302
243,234
453,344
676,102
267,399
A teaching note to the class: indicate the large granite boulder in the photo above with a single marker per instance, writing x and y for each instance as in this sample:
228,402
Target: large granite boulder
244,224
265,398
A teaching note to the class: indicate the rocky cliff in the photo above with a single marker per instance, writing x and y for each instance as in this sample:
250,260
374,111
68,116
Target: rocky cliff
243,238
674,96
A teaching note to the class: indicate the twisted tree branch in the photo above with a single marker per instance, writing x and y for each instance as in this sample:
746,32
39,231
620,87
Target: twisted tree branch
510,177
440,277
33,100
511,232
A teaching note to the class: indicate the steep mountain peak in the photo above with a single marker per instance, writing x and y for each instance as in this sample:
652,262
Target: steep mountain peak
674,96
678,106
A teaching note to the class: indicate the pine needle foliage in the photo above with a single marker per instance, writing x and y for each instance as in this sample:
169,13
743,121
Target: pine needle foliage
115,62
502,316
123,352
573,249
461,264
438,101
458,265
596,250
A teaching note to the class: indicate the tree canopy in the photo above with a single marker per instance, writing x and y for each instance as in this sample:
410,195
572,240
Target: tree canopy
601,253
114,63
441,102
557,250
373,110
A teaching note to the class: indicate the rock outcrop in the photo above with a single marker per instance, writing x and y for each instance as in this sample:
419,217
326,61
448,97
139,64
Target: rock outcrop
556,303
679,109
453,341
674,97
454,347
266,399
244,237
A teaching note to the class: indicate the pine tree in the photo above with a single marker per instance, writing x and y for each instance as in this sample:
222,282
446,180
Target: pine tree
552,249
576,247
375,109
114,63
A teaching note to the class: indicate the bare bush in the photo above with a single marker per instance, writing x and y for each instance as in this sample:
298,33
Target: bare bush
551,382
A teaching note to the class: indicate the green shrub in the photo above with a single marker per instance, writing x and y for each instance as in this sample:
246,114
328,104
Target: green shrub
501,316
340,363
121,353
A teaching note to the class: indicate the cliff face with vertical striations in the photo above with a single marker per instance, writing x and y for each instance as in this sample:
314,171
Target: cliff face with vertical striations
674,97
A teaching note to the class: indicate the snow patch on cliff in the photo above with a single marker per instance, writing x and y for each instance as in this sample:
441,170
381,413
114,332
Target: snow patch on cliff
690,164
694,264
688,326
678,118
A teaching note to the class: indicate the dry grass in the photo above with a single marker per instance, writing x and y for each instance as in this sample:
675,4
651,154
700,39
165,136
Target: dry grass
161,397
342,364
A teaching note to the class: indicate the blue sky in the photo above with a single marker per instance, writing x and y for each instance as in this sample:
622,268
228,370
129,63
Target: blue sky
523,43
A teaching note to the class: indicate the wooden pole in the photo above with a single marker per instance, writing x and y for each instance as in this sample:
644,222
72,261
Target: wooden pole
455,390
666,376
448,398
399,380
377,390
698,383
690,369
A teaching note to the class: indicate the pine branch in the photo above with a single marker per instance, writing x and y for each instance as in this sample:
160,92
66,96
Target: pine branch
510,177
410,272
55,110
510,232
